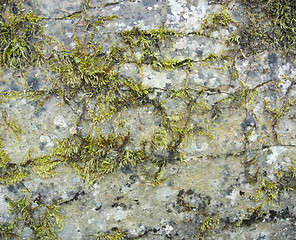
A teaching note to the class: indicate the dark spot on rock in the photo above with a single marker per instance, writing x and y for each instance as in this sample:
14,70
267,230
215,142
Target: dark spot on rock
248,122
115,205
170,184
148,3
11,188
133,178
215,115
272,62
181,192
38,199
272,59
20,185
98,208
122,205
40,110
126,169
14,87
57,11
199,53
263,128
168,85
272,214
70,194
33,83
189,192
269,152
119,197
42,146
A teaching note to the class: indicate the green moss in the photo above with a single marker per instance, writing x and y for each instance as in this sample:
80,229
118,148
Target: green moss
49,223
50,219
268,192
22,38
16,130
243,96
171,64
10,173
265,25
137,37
271,25
149,43
281,107
115,235
207,227
7,231
90,156
92,71
158,178
216,22
89,22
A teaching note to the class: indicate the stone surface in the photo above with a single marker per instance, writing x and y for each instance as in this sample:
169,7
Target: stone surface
213,180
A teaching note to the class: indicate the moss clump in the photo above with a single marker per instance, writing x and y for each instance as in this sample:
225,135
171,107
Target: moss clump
10,173
22,38
267,191
269,25
114,235
16,130
49,221
149,43
7,231
216,22
207,227
90,70
263,25
93,156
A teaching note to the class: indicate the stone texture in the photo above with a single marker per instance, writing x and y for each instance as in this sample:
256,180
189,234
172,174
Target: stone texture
214,179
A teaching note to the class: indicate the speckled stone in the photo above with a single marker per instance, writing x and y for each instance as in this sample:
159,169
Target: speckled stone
213,180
